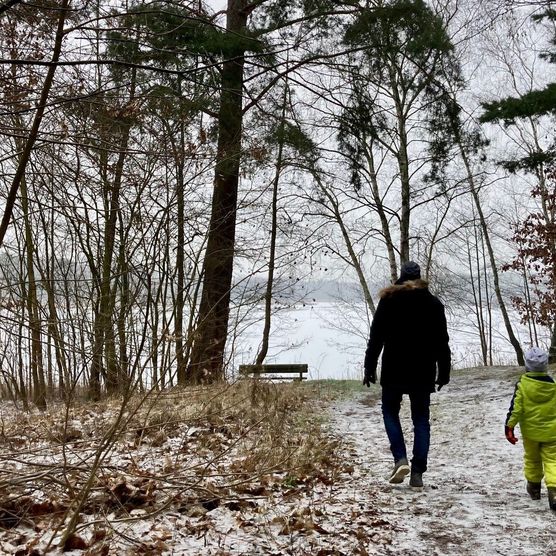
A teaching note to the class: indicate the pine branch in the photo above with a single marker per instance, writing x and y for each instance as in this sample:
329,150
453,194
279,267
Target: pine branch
535,103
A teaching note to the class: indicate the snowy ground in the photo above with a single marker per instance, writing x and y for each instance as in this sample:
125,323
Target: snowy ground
473,503
474,500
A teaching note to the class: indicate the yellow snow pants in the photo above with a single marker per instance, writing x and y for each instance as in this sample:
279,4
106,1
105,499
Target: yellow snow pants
539,460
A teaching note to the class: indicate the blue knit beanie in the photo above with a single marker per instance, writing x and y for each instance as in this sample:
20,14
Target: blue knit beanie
409,271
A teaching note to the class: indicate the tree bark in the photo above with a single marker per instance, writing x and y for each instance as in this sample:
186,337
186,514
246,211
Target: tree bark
125,297
37,120
403,162
552,349
181,361
207,356
486,234
273,232
103,328
375,191
353,258
36,360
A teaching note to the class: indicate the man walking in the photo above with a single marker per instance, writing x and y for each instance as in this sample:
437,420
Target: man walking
410,326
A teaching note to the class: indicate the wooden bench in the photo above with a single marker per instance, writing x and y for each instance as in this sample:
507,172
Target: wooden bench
279,369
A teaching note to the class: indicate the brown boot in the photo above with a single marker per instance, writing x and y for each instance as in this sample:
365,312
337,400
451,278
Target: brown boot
552,498
534,490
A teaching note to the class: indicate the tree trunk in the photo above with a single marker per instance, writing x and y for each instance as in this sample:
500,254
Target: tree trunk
104,346
125,297
20,367
548,209
181,362
552,350
375,191
273,232
207,356
478,296
402,156
103,328
471,180
403,162
37,362
48,283
353,258
37,120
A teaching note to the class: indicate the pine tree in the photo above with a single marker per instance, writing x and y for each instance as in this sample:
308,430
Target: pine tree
250,28
403,67
532,104
534,236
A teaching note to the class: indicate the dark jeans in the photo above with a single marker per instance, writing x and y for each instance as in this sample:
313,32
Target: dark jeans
420,402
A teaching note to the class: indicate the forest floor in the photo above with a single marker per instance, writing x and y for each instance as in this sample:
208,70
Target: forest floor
303,475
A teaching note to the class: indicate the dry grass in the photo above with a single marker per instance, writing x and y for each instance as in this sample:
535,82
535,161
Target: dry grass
187,450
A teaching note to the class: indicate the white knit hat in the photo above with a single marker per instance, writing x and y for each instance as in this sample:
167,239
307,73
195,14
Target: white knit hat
536,359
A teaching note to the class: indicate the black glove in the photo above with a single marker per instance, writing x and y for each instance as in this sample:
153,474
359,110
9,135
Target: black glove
370,376
439,385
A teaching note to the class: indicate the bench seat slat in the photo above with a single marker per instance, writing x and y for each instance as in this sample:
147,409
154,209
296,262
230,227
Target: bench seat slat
270,377
276,369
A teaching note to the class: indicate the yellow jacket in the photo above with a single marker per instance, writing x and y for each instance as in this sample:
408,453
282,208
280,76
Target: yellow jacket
533,406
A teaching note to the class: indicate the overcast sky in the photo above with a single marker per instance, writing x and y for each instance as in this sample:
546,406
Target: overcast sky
217,5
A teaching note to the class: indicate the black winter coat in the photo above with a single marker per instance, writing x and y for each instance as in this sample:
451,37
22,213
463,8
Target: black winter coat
410,325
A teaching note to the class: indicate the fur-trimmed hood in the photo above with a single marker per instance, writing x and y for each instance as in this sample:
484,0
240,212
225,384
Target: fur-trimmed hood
409,285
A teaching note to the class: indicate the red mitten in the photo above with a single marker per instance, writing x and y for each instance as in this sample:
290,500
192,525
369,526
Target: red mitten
510,436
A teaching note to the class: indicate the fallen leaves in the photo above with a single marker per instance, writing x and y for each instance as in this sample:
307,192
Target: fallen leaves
300,520
75,542
130,496
17,509
155,548
174,465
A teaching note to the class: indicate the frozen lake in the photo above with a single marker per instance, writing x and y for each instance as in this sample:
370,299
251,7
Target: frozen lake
331,338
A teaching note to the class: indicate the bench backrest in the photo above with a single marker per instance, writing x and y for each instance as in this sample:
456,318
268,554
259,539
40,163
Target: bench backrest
278,368
275,368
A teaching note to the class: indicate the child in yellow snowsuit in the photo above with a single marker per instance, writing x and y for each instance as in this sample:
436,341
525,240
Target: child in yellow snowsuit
534,408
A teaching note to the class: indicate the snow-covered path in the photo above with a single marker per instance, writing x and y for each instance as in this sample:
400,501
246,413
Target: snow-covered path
474,500
473,504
